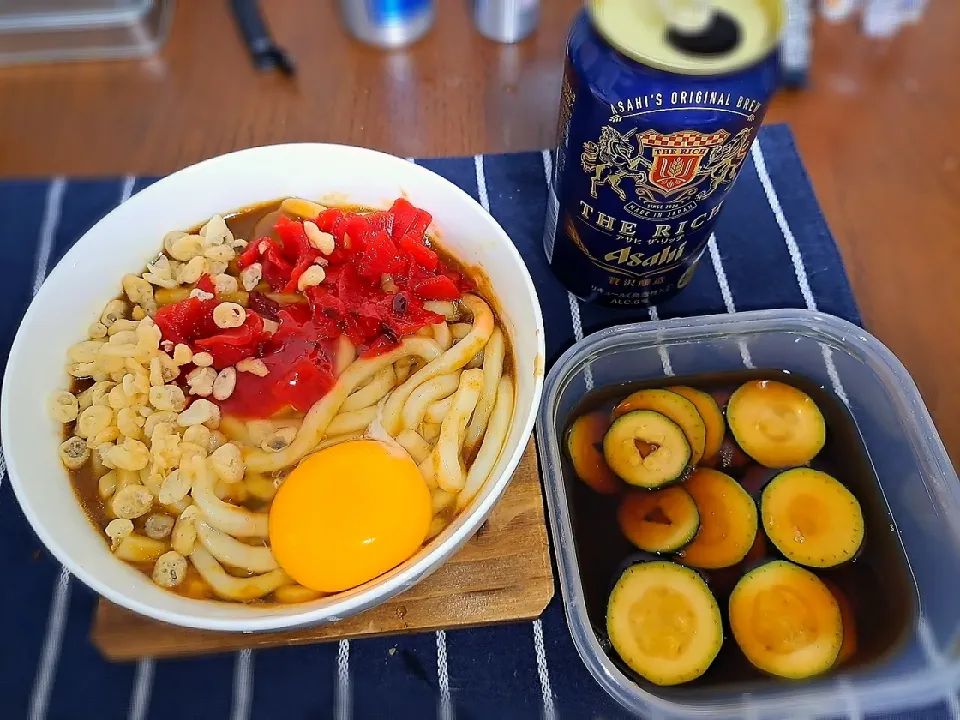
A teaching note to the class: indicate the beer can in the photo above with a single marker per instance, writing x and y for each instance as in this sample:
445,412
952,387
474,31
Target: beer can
387,23
657,116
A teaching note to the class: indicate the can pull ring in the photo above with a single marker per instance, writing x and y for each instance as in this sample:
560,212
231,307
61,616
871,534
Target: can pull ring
698,28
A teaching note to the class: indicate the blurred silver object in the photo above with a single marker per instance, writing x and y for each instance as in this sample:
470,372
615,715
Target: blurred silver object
387,23
506,21
881,18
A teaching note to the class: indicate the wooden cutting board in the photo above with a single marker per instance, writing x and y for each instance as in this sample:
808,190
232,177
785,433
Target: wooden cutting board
502,574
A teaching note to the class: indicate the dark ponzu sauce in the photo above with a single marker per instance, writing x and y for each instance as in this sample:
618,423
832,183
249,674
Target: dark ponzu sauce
878,584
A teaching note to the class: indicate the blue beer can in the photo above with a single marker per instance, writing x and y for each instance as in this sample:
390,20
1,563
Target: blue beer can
660,103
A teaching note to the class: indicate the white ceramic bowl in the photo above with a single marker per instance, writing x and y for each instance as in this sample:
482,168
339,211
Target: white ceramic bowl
89,276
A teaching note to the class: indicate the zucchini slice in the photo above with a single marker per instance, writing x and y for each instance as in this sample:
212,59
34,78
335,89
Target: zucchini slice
677,408
664,622
659,521
710,414
585,448
728,521
646,449
786,621
776,424
812,518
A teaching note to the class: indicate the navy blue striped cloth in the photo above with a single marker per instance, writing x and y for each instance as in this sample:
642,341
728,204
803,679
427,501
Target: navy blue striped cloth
772,249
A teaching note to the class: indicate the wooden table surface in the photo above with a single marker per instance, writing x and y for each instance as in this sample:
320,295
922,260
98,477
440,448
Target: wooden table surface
879,130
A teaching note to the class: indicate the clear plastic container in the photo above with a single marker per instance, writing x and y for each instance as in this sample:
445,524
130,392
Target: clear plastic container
40,31
913,468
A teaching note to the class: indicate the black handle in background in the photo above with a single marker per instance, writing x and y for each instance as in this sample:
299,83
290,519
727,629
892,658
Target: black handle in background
265,53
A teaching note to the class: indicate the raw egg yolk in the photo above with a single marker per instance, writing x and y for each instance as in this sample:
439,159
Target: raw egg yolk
348,514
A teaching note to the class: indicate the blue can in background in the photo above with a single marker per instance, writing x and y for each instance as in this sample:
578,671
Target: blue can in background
387,23
657,115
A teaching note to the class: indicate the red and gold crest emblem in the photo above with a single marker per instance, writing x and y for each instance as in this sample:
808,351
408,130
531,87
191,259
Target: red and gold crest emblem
677,156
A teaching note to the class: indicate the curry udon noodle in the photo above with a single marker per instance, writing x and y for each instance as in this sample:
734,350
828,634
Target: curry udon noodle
229,363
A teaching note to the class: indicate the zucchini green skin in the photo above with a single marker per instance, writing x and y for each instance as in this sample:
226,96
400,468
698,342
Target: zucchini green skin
645,603
660,521
712,415
771,611
729,521
829,523
776,424
665,464
674,407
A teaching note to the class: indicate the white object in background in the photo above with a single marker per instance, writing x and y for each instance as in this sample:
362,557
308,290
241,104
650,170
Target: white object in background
506,21
912,10
838,10
796,47
881,18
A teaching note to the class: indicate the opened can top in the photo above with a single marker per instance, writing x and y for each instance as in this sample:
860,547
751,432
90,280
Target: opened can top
691,37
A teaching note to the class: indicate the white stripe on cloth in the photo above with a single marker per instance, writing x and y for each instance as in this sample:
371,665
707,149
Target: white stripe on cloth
48,229
60,602
571,298
727,295
936,659
242,685
343,701
547,166
798,266
3,467
661,350
445,707
52,642
578,335
127,190
543,671
142,688
549,711
849,698
481,183
445,710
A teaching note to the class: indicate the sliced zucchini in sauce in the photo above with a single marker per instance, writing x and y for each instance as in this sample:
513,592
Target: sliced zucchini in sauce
728,521
677,408
660,521
776,424
710,414
585,447
664,622
811,518
786,621
647,449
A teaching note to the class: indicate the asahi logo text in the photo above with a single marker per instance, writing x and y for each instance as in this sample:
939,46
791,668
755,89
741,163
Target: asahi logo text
683,99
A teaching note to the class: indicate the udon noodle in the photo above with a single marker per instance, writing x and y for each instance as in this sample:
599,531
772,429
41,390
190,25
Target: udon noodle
182,488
